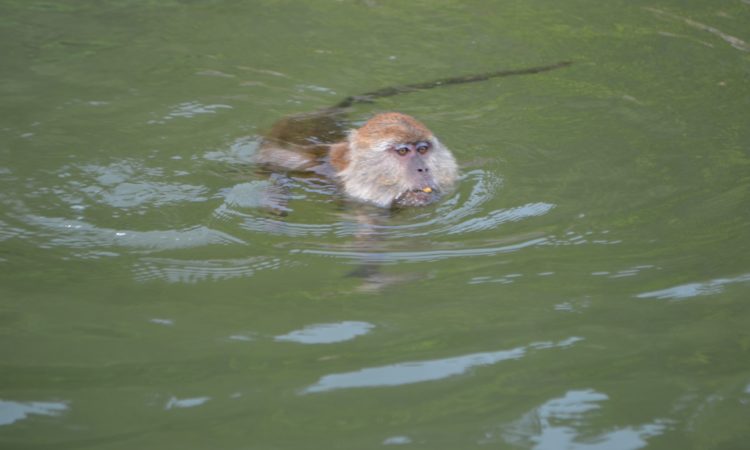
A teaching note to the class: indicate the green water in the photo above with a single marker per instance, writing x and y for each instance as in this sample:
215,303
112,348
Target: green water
586,287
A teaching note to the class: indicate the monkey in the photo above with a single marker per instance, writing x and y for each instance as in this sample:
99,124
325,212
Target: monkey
393,160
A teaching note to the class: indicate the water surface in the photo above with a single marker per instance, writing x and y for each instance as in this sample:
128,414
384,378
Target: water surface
584,287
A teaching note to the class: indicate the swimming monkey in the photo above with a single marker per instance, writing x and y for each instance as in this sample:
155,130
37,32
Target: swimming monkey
393,160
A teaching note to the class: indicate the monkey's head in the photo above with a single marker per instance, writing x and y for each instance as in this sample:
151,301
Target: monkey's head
394,160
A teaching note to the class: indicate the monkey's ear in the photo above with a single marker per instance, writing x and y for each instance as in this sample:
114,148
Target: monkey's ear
340,155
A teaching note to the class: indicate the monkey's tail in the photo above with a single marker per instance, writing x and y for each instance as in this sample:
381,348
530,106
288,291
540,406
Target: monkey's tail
395,90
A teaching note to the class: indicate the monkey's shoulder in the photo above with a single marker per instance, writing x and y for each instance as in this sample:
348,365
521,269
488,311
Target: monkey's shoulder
339,156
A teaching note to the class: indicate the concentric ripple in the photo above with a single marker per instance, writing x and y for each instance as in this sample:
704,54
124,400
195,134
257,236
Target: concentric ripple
283,219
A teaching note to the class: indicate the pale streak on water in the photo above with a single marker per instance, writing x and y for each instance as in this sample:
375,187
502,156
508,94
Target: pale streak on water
13,411
421,371
327,333
690,290
554,425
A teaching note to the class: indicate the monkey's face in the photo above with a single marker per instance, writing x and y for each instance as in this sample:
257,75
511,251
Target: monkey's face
394,160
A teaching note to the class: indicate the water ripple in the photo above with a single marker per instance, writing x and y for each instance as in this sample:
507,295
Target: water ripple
80,234
11,412
460,213
497,217
419,256
735,42
556,423
194,271
421,371
327,333
239,152
690,290
8,232
188,110
175,402
122,185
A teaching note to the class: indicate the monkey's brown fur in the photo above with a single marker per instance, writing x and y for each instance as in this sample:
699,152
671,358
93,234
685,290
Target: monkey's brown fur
393,159
367,163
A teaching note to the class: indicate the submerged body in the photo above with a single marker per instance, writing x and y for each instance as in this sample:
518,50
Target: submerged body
392,160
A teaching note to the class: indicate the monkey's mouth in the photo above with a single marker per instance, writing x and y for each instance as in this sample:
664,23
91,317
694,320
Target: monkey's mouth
417,197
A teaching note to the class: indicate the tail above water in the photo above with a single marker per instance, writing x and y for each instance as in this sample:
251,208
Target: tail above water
406,88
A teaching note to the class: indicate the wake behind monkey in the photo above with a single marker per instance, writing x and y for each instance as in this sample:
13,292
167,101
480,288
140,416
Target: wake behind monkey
393,160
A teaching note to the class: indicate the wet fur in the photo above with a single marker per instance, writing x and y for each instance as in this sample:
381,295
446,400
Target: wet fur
360,161
363,163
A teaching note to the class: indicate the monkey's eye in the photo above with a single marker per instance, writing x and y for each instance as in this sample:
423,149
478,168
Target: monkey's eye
422,147
402,149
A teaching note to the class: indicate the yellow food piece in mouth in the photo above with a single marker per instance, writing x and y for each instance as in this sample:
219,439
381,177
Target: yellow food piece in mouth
427,189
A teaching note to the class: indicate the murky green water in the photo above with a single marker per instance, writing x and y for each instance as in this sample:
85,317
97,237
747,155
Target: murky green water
586,287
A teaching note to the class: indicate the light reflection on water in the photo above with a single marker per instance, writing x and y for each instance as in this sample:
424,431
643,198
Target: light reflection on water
192,402
238,152
193,271
327,333
495,218
127,185
685,291
417,256
130,187
11,412
79,234
454,215
189,110
421,371
397,440
557,425
734,41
